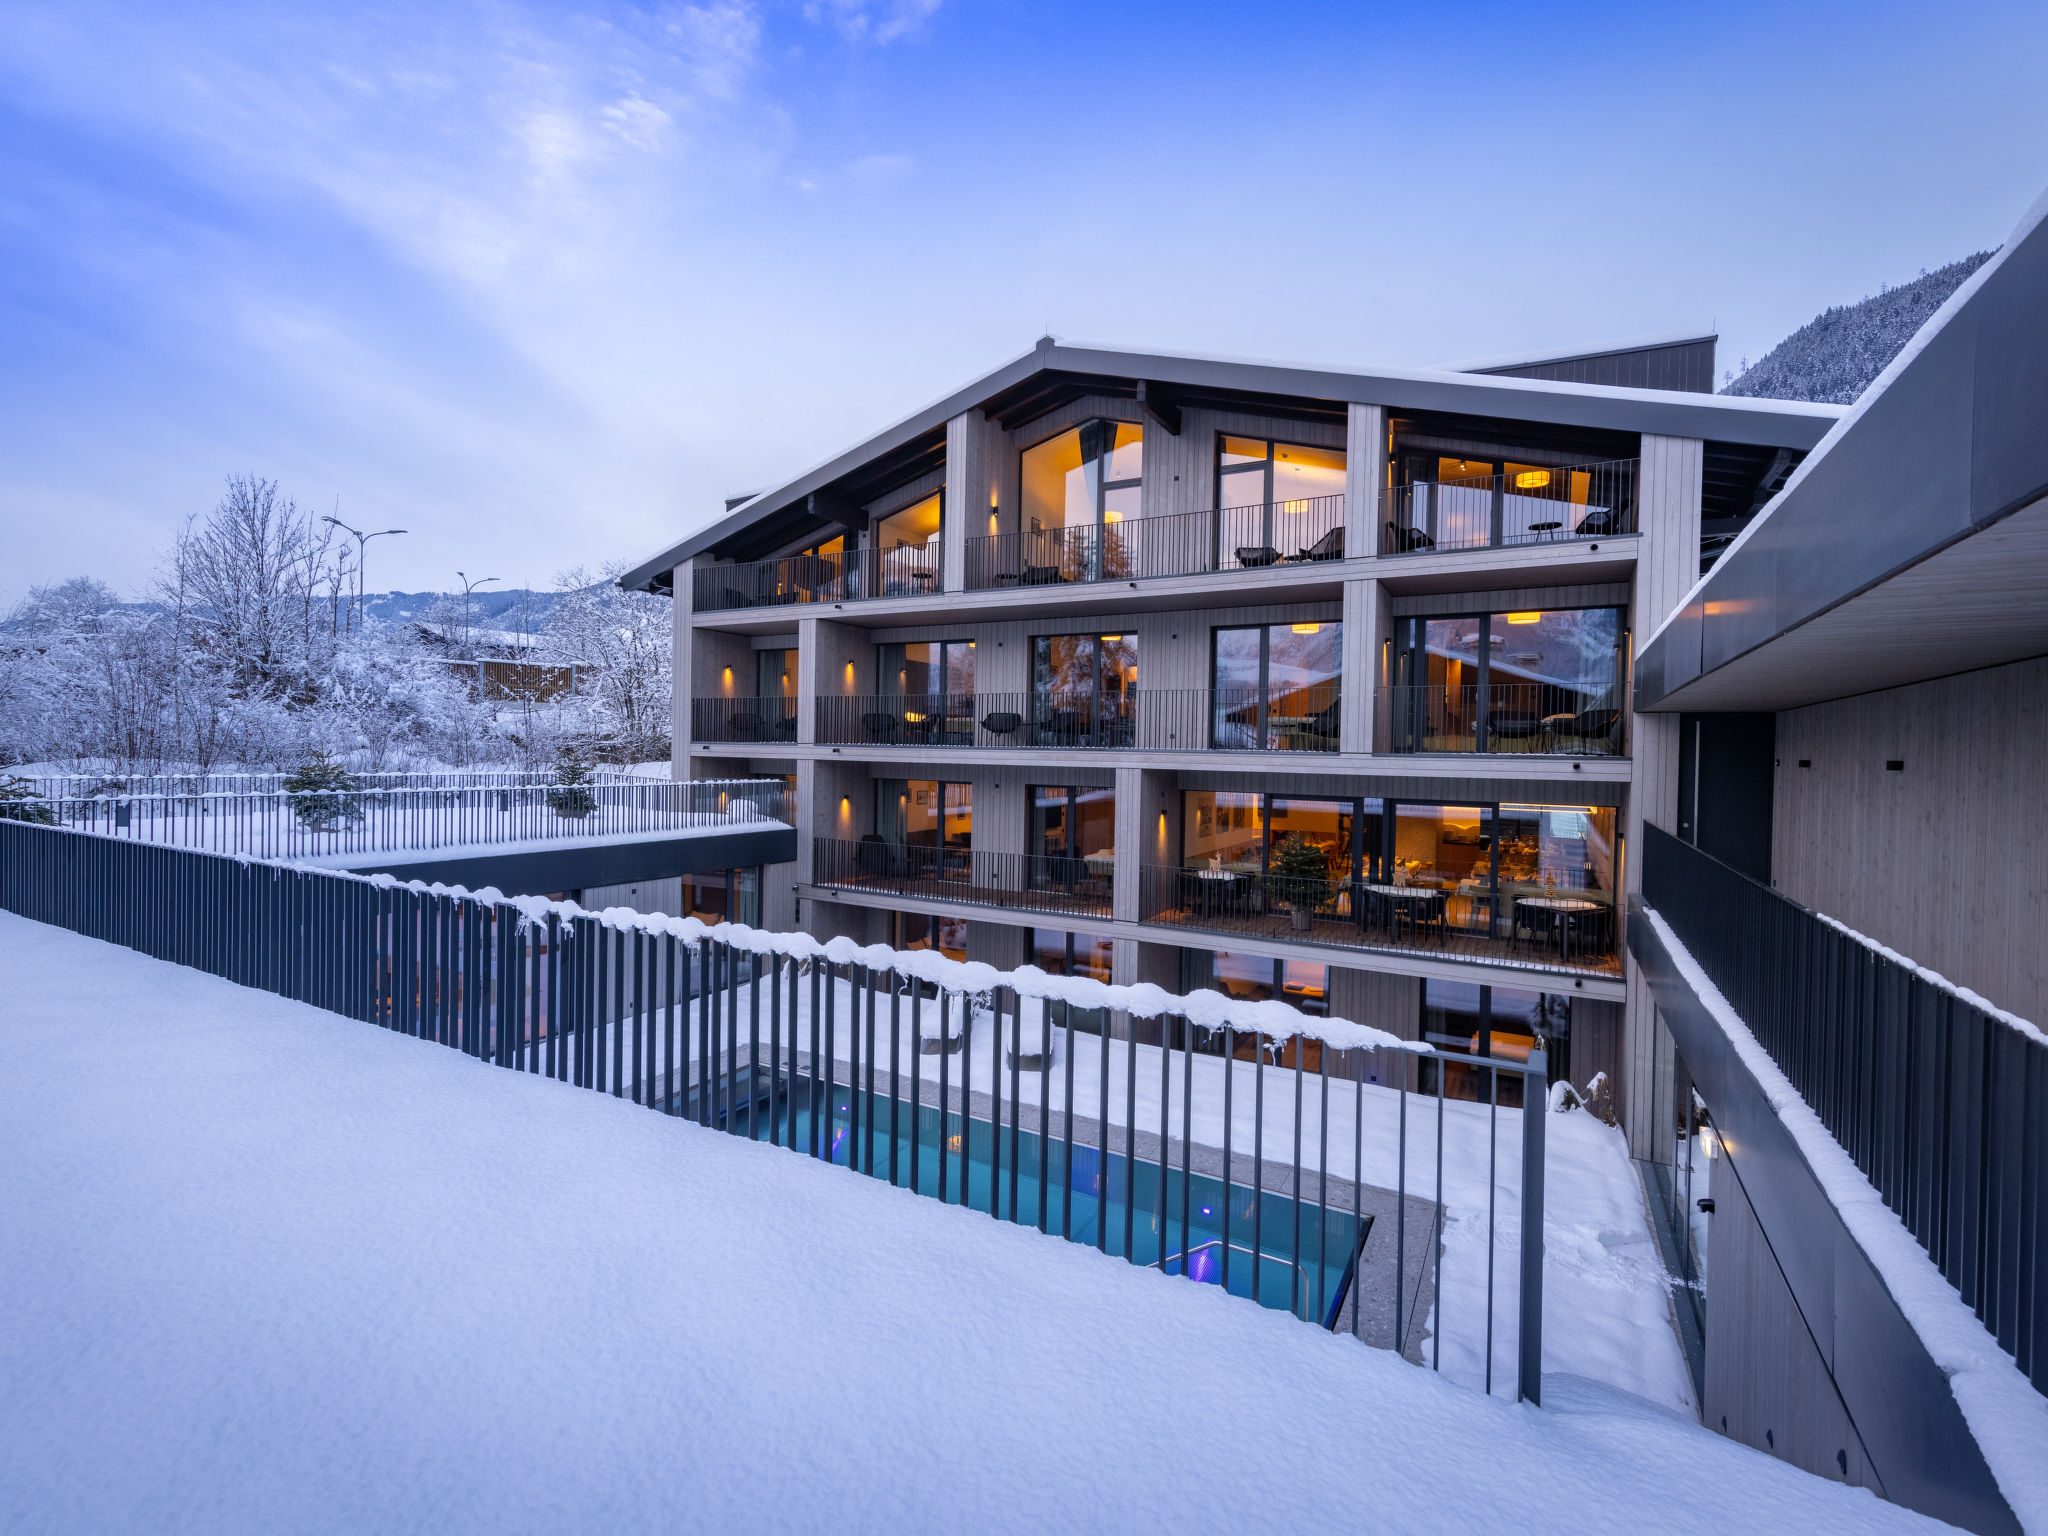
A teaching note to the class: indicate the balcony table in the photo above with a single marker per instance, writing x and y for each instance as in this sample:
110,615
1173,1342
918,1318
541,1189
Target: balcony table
1564,909
1385,900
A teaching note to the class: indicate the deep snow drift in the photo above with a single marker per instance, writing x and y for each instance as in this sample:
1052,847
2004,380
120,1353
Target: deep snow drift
269,1269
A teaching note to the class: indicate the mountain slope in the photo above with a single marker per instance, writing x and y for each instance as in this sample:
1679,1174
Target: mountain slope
1835,356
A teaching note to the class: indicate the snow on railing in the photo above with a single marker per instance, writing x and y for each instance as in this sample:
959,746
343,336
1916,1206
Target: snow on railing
336,823
1368,1184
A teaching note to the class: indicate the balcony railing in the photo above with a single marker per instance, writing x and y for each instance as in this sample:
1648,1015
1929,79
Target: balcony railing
1516,924
1154,720
1929,1092
1534,506
908,570
764,720
1537,718
1029,882
1228,538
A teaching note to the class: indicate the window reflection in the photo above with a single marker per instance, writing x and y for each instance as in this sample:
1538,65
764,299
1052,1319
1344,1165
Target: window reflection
1276,687
1087,476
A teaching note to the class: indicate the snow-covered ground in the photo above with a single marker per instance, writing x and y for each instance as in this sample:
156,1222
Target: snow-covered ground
272,1270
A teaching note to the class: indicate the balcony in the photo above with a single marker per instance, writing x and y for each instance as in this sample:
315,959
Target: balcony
1559,928
908,570
970,877
1532,507
1186,544
1157,720
743,720
1510,718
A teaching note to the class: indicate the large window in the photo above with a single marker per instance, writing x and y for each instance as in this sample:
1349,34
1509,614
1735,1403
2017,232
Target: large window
1541,876
917,930
724,896
925,813
906,554
1069,822
1276,687
1235,834
926,669
1072,839
1539,879
1520,681
775,675
1504,1023
1447,501
1086,477
1278,501
1083,688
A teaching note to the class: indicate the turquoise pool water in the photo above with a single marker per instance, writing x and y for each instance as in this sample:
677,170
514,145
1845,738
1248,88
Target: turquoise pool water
1033,1183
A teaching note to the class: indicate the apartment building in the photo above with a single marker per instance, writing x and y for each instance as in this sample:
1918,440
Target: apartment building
1289,682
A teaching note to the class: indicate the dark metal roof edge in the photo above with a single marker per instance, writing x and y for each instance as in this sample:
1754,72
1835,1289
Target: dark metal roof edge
1774,423
1656,664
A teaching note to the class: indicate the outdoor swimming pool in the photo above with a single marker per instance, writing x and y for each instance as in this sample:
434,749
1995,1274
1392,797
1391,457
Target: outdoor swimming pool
1297,1256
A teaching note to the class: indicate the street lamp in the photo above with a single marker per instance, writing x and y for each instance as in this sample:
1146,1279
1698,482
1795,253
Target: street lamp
362,540
468,587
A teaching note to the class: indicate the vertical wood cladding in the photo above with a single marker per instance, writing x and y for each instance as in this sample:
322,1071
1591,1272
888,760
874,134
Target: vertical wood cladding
1939,859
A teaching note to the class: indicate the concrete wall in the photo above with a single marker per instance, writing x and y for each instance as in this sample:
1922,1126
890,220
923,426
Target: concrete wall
1767,1382
1940,860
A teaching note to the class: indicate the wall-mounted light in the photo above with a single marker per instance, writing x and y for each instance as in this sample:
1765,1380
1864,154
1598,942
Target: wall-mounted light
728,679
1523,618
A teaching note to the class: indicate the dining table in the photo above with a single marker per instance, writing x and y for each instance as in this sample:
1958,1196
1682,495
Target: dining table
1564,909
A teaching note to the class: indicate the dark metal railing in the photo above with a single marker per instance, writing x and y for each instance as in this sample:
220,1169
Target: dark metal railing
1937,1101
1307,530
1147,720
763,720
1516,924
317,824
1126,1133
908,570
1540,718
1535,506
89,786
1031,882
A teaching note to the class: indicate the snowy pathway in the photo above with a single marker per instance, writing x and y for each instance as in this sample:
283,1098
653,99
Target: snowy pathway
268,1269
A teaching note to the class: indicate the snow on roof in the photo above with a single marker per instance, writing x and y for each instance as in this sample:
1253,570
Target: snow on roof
273,1269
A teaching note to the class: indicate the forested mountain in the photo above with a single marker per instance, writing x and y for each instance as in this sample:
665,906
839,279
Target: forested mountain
1836,355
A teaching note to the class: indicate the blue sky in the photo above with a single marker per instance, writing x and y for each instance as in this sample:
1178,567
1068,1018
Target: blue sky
542,284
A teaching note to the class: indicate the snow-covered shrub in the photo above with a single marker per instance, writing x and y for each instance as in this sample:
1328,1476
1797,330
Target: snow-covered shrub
325,794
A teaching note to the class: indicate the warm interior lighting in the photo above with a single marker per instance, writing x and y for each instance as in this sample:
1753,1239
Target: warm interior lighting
1532,479
1523,618
1308,629
1112,517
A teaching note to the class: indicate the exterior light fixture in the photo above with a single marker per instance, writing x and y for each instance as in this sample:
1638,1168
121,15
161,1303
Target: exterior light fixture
1524,618
1532,479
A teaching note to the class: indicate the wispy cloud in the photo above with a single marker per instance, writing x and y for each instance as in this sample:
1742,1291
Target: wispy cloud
858,20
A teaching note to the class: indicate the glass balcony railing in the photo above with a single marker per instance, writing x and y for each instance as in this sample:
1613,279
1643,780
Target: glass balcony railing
1531,506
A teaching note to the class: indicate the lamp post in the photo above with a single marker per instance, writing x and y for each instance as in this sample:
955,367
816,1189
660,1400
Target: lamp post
362,540
468,587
